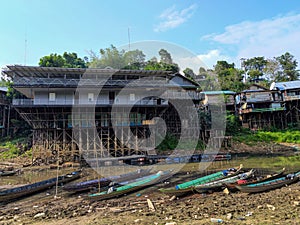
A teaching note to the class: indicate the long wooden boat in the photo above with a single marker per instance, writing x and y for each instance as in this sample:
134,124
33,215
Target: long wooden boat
212,177
8,172
105,181
277,174
187,188
219,184
269,185
136,185
28,189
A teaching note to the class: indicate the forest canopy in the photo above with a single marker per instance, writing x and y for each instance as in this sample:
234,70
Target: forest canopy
224,75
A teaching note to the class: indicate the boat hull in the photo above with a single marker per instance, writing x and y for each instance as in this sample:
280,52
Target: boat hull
268,185
105,182
132,187
26,190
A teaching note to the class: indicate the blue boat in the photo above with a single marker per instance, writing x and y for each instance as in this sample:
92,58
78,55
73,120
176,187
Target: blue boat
105,181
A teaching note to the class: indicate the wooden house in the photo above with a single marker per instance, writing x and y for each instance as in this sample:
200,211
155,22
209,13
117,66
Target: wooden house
70,109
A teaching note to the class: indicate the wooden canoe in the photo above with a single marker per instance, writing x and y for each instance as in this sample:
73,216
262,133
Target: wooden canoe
269,185
105,181
139,184
232,186
180,191
25,190
212,177
219,184
8,172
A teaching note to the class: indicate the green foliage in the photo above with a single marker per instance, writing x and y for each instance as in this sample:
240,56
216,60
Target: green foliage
169,143
151,65
287,136
289,68
278,69
189,73
229,77
233,125
67,60
135,60
12,151
165,56
13,93
13,147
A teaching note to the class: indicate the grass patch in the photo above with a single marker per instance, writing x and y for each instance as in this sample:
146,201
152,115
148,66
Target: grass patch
13,150
250,138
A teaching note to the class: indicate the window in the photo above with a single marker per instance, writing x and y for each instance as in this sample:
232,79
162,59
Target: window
52,97
132,97
90,97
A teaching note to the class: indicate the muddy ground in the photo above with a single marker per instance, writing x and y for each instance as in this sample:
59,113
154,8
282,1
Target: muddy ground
280,206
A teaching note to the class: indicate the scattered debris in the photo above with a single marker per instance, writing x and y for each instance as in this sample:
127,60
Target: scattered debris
249,214
271,207
39,215
226,191
171,223
172,198
229,216
215,220
150,205
296,203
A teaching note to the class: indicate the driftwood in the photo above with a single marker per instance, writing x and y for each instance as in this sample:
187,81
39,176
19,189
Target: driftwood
150,205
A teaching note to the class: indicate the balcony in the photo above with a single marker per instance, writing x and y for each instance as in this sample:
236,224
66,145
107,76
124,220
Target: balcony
63,102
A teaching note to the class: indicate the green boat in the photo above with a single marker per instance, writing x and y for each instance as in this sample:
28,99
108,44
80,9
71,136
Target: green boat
187,188
138,184
219,184
209,178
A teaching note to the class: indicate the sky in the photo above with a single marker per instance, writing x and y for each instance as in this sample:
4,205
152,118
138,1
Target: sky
209,30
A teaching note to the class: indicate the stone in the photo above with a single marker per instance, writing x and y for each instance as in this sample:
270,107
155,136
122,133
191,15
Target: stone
296,203
229,216
271,207
39,215
171,223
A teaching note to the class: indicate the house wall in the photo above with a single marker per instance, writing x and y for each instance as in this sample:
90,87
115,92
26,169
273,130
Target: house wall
258,96
92,97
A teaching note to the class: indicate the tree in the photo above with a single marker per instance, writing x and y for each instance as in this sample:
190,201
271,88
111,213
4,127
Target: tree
152,65
67,60
52,60
288,67
165,56
72,61
117,59
210,83
189,73
229,77
254,67
202,70
134,60
272,70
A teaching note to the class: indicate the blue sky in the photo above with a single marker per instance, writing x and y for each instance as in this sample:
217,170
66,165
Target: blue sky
210,30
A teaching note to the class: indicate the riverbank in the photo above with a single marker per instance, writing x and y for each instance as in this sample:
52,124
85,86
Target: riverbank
280,206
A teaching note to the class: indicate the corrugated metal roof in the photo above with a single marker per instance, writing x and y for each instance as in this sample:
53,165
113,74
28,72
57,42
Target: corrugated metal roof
219,92
36,71
287,85
4,89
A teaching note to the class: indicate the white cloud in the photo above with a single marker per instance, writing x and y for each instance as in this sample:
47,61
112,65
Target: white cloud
206,61
210,59
270,37
172,18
